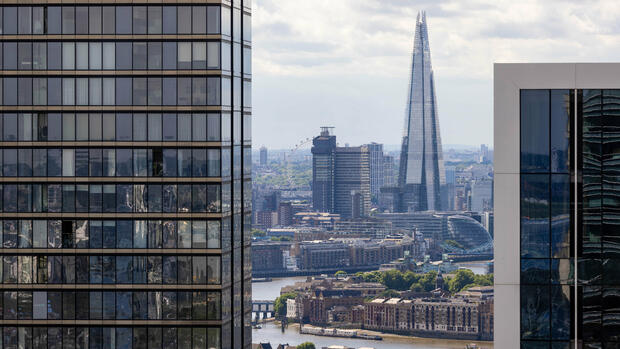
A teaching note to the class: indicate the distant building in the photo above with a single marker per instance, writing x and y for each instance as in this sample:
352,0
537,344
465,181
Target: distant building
481,196
377,177
269,256
484,153
285,214
263,156
352,182
266,219
340,177
323,163
388,171
488,222
421,178
456,318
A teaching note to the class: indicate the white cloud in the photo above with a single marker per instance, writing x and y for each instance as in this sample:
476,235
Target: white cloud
358,52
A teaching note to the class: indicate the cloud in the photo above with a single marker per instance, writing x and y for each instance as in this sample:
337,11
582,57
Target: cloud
368,43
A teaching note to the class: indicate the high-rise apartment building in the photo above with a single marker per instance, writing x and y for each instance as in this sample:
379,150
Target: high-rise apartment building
126,174
376,168
263,156
421,178
556,207
388,171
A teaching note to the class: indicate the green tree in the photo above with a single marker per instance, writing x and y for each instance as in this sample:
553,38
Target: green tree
306,345
279,306
389,294
393,279
462,278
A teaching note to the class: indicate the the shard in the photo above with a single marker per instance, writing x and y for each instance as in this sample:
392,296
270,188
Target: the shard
421,178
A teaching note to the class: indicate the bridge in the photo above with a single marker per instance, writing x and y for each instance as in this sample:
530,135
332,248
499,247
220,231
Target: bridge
262,310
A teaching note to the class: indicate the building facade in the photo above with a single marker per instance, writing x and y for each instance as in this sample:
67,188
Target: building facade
323,164
556,184
352,182
377,177
126,189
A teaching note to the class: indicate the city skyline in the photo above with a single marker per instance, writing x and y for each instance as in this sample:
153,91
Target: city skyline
366,77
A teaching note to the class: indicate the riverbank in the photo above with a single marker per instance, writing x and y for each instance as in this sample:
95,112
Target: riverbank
409,339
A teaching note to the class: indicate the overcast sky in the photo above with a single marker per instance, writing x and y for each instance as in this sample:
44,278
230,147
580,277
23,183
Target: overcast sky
345,63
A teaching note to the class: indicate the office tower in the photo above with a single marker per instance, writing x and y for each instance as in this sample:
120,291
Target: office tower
263,156
340,177
483,155
482,195
487,221
352,182
323,162
126,174
388,170
376,168
421,177
556,265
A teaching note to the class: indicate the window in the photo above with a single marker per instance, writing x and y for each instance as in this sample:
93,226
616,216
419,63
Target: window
94,20
81,20
199,23
154,55
184,19
139,55
199,55
155,20
68,55
24,55
169,19
139,20
123,19
39,56
213,19
109,19
68,20
185,55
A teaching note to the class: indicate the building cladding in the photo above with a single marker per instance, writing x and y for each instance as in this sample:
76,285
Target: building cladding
556,178
125,174
421,173
323,158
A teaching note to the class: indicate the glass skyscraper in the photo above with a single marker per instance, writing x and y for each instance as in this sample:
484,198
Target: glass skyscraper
126,190
421,177
557,197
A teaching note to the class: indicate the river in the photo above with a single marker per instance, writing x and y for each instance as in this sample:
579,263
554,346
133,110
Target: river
271,332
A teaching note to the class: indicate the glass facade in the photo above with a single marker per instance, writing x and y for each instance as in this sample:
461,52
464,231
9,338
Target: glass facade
125,192
569,218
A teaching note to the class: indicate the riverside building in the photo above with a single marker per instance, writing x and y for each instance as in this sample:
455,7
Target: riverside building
126,193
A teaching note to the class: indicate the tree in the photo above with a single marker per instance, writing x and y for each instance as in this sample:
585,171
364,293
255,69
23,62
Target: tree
279,306
389,294
306,345
462,278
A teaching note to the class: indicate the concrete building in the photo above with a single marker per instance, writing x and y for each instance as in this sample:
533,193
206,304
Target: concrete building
556,140
126,177
389,178
269,256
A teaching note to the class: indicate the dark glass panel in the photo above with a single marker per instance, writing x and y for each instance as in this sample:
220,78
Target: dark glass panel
535,216
560,216
534,130
535,312
535,271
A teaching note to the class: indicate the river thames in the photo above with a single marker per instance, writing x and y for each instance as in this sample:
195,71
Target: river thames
271,332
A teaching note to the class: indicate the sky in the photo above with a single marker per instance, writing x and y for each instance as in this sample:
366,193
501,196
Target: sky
345,63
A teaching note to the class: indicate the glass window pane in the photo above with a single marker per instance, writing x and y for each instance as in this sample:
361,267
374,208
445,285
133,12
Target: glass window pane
94,20
155,19
123,19
535,235
199,23
534,130
68,20
184,19
139,20
169,19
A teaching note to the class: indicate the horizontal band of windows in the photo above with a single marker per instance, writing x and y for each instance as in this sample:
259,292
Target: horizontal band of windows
117,108
111,287
136,215
198,144
108,323
128,37
111,270
111,180
99,73
110,251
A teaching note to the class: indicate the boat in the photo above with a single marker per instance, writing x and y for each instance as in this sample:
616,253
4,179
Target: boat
471,346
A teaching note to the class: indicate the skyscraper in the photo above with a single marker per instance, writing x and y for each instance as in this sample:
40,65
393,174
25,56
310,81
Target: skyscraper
340,177
421,178
376,168
126,174
263,156
323,162
556,205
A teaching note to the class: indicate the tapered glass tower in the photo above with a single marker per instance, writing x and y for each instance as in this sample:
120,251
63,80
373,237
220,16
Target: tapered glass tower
421,176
